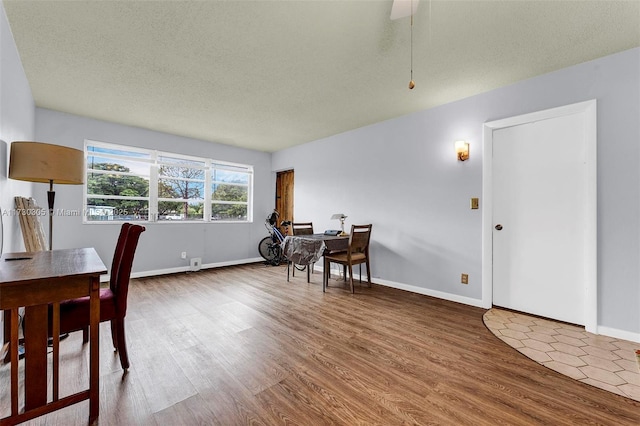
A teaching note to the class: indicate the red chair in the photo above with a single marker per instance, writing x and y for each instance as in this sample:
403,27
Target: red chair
74,313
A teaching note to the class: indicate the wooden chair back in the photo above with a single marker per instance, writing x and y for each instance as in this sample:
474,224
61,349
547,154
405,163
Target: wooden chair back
305,228
123,274
117,255
359,239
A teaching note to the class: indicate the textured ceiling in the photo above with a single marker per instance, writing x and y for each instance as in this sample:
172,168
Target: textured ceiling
268,75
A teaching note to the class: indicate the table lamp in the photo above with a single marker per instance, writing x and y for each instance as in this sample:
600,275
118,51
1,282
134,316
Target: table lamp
46,163
342,217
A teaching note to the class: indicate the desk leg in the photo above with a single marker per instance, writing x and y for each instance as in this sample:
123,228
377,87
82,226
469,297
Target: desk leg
13,357
7,331
94,350
35,345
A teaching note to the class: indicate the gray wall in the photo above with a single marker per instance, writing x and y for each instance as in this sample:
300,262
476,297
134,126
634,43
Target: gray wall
402,176
160,246
16,123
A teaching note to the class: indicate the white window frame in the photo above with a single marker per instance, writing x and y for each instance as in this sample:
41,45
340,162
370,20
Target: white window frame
154,171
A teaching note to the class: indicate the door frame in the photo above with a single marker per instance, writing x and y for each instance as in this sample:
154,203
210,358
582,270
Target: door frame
588,108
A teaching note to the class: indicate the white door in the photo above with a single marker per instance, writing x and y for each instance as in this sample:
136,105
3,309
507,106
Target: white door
539,201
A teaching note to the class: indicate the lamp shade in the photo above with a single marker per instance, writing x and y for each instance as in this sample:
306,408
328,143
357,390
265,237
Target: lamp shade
44,162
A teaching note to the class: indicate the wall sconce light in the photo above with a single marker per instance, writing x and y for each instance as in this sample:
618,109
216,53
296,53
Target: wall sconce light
462,150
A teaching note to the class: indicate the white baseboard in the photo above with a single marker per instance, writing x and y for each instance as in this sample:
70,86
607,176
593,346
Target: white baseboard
619,334
420,290
186,268
433,293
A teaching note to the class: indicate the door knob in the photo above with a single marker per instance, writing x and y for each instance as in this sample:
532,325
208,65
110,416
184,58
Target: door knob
499,227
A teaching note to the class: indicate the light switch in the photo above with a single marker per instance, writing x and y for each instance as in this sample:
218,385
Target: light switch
474,203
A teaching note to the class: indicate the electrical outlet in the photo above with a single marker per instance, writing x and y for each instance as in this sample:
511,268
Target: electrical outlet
464,278
195,264
183,255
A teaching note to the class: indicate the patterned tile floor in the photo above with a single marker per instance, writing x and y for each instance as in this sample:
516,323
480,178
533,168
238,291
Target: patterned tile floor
600,361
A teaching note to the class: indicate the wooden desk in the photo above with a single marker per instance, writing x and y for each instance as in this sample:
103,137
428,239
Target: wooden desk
48,277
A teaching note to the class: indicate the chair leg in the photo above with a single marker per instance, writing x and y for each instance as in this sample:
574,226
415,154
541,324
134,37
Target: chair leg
351,278
325,274
114,335
122,345
85,334
288,265
368,273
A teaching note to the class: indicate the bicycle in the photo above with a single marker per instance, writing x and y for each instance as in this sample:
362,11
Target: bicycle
270,247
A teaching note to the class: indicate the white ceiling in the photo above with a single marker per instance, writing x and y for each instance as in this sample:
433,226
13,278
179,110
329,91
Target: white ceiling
268,75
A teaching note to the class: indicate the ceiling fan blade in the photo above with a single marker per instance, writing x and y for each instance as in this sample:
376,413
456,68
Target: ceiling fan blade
403,8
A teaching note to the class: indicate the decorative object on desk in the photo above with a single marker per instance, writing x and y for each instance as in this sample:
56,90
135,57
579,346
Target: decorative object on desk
46,163
32,232
462,150
342,217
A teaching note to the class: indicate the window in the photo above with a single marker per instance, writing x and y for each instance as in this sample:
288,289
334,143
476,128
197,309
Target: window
117,183
181,183
132,184
230,188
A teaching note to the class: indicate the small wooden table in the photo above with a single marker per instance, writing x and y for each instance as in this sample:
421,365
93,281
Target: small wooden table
295,249
34,281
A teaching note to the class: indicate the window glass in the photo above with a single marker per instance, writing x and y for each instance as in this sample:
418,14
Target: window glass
117,184
135,184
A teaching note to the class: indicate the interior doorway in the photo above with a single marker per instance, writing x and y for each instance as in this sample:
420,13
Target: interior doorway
539,217
284,194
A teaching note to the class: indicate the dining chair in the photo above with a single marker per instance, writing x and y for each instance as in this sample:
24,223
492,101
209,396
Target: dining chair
301,228
357,253
74,313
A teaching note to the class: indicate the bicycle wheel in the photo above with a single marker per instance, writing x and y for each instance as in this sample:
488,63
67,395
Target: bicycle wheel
266,251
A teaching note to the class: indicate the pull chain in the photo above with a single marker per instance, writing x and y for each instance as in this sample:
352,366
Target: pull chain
412,83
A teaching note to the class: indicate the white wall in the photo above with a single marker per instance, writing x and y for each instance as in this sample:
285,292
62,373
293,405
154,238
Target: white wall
402,176
160,246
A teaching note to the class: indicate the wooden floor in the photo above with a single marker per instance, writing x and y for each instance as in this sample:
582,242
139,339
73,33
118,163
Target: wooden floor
240,345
